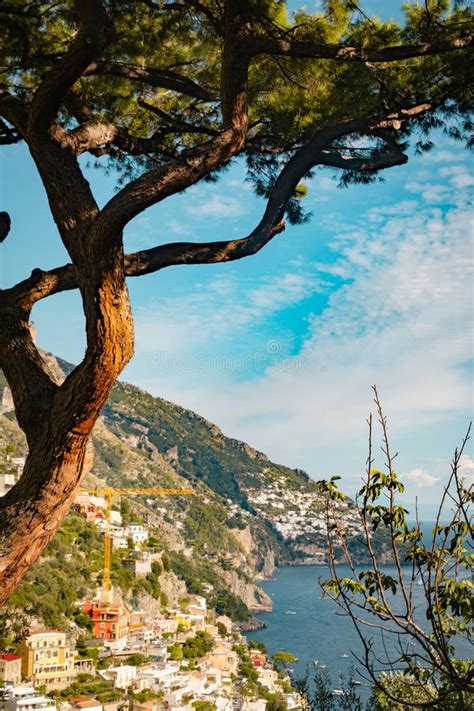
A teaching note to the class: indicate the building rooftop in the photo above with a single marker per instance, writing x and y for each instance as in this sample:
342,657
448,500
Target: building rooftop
7,657
21,690
38,700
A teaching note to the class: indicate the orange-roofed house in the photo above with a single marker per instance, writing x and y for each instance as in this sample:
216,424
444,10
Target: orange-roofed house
110,619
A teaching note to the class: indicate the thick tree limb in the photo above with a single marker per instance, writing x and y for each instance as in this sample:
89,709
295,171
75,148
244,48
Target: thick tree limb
43,284
28,374
344,161
91,38
235,65
256,45
15,112
162,78
193,165
94,136
173,177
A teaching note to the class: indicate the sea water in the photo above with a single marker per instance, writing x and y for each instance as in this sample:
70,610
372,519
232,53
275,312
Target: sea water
312,628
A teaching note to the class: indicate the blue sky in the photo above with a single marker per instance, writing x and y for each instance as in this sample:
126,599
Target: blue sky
281,349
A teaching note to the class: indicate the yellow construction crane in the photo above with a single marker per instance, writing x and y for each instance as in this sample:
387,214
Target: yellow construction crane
108,493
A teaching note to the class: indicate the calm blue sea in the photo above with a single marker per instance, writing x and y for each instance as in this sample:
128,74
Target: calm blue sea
305,624
310,626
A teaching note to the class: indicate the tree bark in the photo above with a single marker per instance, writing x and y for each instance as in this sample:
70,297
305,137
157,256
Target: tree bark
32,511
58,419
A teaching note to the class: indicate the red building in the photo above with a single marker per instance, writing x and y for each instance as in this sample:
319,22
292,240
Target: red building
258,660
110,619
89,511
10,668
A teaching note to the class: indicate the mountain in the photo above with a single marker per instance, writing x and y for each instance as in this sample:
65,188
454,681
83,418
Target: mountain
249,514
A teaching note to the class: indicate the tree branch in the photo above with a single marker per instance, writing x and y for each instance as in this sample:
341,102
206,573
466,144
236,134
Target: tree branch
15,112
379,161
42,284
256,45
193,165
27,373
91,38
163,78
176,124
187,6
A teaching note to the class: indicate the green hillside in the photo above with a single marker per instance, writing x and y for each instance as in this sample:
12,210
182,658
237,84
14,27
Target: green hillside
249,514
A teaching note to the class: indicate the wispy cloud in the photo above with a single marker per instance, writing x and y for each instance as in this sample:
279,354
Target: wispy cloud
466,470
218,310
420,478
175,227
397,311
218,206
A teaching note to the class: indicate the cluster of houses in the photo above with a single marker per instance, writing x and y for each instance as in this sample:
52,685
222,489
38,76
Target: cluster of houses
301,515
47,661
93,509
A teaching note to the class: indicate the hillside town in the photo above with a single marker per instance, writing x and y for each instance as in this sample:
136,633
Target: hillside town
188,659
300,515
114,657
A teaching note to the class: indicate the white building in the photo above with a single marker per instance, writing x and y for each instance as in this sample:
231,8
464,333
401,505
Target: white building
122,677
161,676
254,705
137,533
25,698
268,678
7,481
167,625
116,645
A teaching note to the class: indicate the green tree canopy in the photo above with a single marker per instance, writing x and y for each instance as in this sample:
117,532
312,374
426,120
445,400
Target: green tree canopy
284,659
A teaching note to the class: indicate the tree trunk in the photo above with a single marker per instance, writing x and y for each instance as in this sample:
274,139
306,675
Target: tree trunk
58,419
31,512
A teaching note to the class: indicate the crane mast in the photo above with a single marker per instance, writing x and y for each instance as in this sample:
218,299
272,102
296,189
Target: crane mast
108,493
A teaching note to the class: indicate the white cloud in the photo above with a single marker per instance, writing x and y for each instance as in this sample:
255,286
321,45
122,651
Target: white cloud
466,469
399,314
430,192
445,156
466,463
420,478
218,206
454,176
218,310
459,176
285,290
178,228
